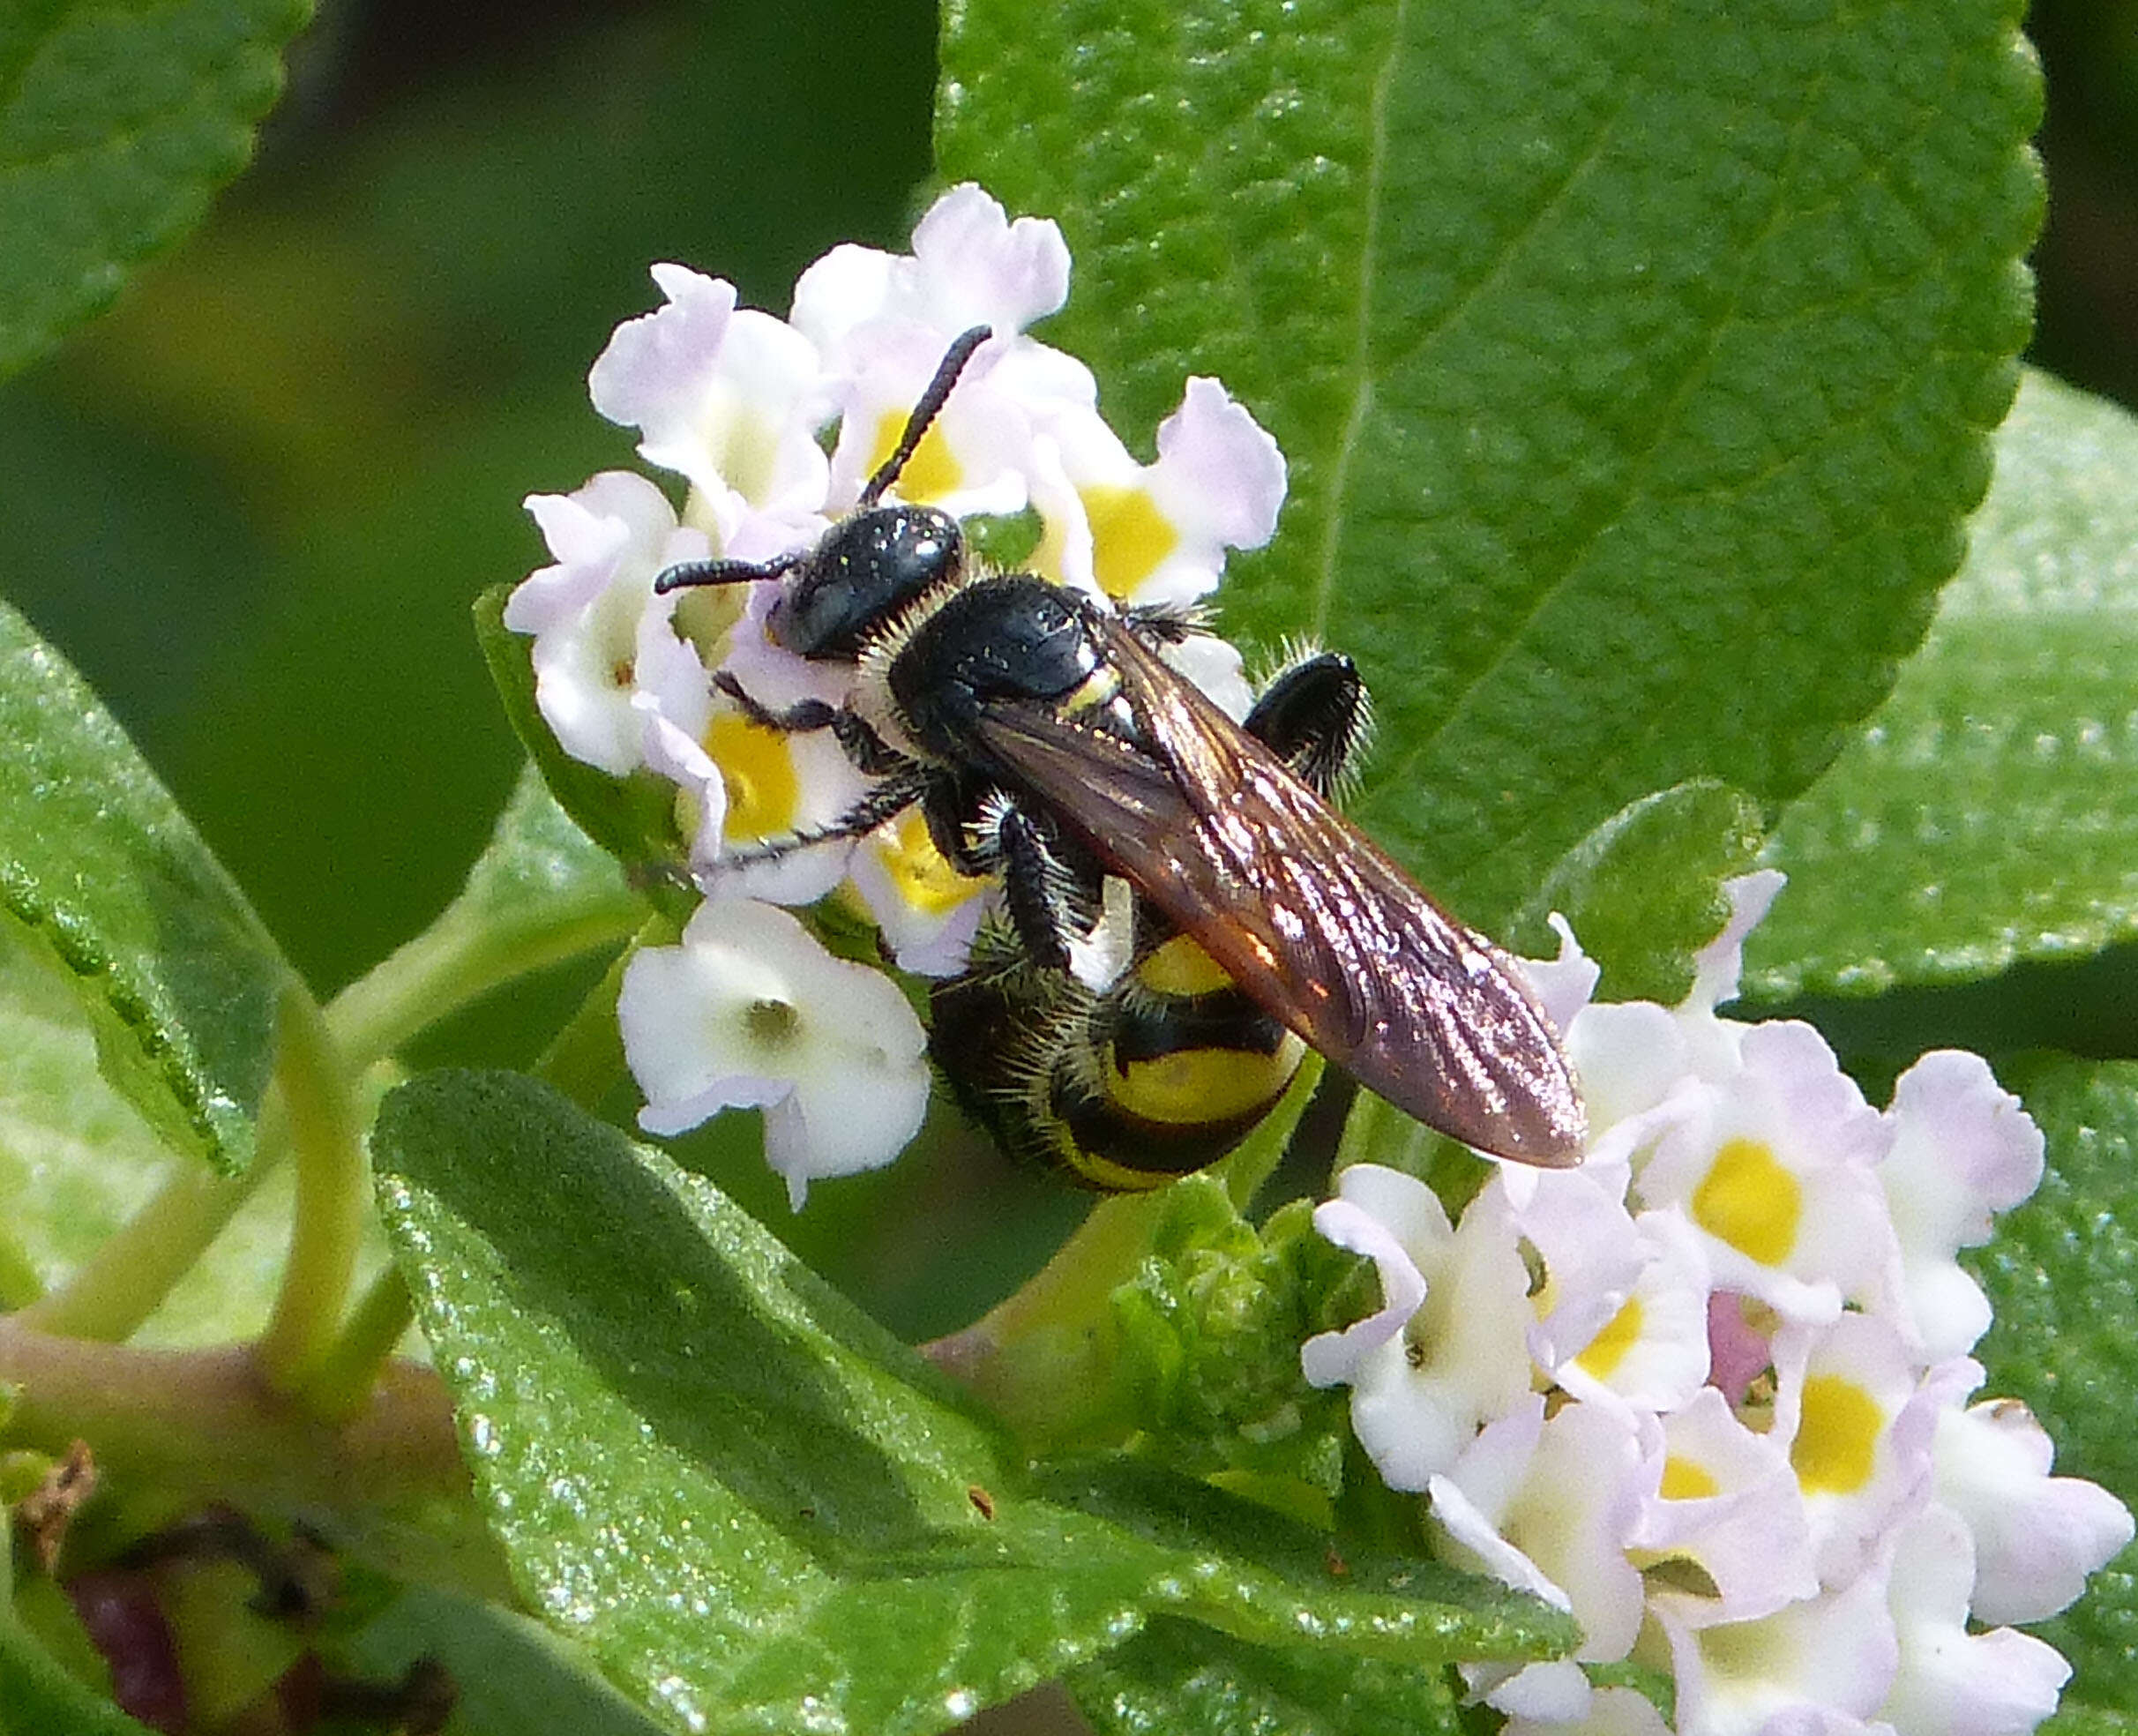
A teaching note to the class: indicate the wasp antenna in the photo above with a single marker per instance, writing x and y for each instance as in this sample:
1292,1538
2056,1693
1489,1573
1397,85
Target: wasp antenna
720,573
925,411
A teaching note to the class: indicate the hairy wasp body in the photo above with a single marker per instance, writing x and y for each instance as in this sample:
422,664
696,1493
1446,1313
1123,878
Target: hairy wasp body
1044,737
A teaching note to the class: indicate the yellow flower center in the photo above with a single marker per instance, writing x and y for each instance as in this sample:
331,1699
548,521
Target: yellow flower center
764,795
1836,1436
1128,537
919,872
1685,1481
1750,1202
1607,1349
932,472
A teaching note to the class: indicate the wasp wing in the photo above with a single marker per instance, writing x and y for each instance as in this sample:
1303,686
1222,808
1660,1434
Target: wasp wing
1306,913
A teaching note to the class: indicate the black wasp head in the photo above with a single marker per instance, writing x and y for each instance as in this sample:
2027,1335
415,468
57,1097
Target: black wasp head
867,568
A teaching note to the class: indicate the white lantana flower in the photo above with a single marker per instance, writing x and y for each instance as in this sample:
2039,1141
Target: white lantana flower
751,1012
1962,1149
928,911
739,784
1611,1711
1842,1393
970,265
1215,665
2036,1538
1773,1166
1547,1505
1423,1384
1157,534
883,321
1951,1680
1723,1498
1805,1458
1653,1353
1821,1665
606,648
1591,1254
976,456
729,399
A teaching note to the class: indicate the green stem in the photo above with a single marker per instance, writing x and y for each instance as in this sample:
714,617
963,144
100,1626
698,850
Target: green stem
1257,1155
332,1194
343,1379
459,959
207,1424
1044,1356
119,1286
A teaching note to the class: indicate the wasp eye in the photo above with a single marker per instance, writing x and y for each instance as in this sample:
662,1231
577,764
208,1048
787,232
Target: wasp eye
864,570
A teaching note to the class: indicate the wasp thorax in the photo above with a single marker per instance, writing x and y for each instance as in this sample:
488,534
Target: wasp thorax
866,569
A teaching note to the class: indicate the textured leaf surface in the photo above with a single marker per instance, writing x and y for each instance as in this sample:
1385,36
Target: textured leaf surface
1174,1680
1989,811
748,1503
2063,1273
179,976
1644,891
1633,362
116,124
2073,1719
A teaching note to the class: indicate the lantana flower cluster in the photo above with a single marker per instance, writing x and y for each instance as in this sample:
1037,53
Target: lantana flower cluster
1711,1391
775,425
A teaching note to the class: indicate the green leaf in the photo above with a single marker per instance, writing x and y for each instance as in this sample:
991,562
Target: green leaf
2080,1720
1644,890
542,875
117,126
633,817
180,978
39,1698
511,1675
2063,1274
76,1161
1634,362
1288,1579
1988,813
749,1504
1209,1332
1176,1679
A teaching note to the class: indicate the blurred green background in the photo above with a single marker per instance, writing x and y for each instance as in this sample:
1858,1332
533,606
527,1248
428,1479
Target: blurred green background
254,503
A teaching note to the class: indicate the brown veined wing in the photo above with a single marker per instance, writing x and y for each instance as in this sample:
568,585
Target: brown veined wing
1306,912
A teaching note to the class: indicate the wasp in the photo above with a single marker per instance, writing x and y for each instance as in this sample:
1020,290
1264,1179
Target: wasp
1045,738
1130,1084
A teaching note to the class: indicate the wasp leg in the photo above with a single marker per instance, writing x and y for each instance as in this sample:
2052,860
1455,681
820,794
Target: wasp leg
1159,624
1031,888
1067,915
888,800
869,751
1315,715
802,718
